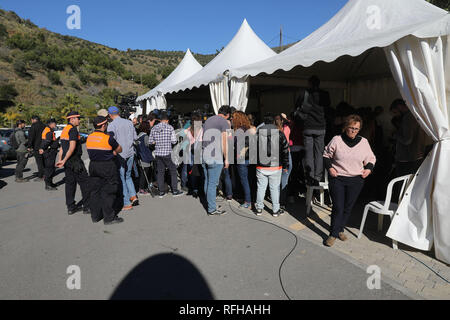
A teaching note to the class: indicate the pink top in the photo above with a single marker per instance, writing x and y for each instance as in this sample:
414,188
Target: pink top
287,133
349,162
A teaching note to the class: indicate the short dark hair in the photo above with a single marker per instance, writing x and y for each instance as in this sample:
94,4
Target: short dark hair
225,110
396,103
52,120
163,116
19,122
35,118
269,118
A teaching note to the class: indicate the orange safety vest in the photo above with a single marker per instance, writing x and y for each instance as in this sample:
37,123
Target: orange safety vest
65,133
98,141
45,132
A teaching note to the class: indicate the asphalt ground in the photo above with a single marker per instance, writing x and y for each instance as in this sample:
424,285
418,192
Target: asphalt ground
166,249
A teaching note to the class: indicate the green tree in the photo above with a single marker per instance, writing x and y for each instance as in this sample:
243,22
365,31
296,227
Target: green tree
7,95
70,103
54,78
148,80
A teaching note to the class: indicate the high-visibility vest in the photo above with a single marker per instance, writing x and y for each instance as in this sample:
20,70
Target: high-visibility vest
65,133
45,132
98,141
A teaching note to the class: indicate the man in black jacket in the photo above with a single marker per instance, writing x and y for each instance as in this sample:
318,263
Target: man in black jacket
34,144
273,158
311,106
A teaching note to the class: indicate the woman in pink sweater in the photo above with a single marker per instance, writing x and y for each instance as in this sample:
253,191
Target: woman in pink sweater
349,160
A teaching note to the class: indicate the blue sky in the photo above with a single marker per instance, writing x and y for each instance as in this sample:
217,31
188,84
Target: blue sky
201,25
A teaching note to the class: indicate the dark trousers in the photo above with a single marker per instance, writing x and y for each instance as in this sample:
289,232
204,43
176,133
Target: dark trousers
161,164
40,163
21,164
49,162
314,145
143,185
344,192
76,176
104,183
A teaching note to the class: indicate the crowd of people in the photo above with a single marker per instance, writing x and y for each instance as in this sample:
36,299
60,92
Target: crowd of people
227,154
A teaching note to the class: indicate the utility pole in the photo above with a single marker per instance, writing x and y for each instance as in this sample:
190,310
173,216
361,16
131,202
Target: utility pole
281,38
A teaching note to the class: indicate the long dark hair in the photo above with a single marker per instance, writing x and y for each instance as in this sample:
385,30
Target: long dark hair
144,127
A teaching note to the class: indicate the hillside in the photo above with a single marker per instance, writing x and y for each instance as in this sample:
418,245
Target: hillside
42,72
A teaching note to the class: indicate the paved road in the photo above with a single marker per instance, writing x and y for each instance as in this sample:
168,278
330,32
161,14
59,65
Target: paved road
166,248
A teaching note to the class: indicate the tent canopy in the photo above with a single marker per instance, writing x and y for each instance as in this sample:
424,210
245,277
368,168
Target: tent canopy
245,48
359,26
187,67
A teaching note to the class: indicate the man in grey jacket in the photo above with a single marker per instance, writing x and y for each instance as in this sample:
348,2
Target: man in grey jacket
22,150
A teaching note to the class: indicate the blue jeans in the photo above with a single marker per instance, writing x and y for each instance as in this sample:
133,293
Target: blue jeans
284,182
243,176
126,165
273,178
228,183
212,173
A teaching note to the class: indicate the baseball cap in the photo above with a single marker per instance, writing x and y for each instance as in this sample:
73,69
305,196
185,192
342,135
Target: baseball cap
102,112
74,114
113,110
99,121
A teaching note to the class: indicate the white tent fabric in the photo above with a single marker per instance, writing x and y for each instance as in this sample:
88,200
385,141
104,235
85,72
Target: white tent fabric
220,94
423,218
240,90
246,47
357,27
187,67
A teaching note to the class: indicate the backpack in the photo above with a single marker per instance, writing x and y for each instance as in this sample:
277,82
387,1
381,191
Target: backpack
13,141
143,151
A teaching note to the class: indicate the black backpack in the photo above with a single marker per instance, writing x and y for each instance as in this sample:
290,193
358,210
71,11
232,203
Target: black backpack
13,141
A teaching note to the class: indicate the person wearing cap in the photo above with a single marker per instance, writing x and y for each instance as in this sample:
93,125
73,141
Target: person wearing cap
103,177
34,144
70,158
103,113
123,131
49,150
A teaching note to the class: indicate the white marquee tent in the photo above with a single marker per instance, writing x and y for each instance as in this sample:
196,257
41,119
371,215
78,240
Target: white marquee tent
412,38
245,48
155,98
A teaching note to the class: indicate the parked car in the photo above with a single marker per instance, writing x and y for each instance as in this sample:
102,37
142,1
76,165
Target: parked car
5,134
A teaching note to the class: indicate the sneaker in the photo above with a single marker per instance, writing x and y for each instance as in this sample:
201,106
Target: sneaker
278,213
342,237
162,195
134,201
330,241
50,188
217,212
177,193
229,198
115,221
245,205
195,194
258,212
74,210
20,180
127,208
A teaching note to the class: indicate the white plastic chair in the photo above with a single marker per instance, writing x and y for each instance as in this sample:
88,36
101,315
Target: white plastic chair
310,190
386,208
